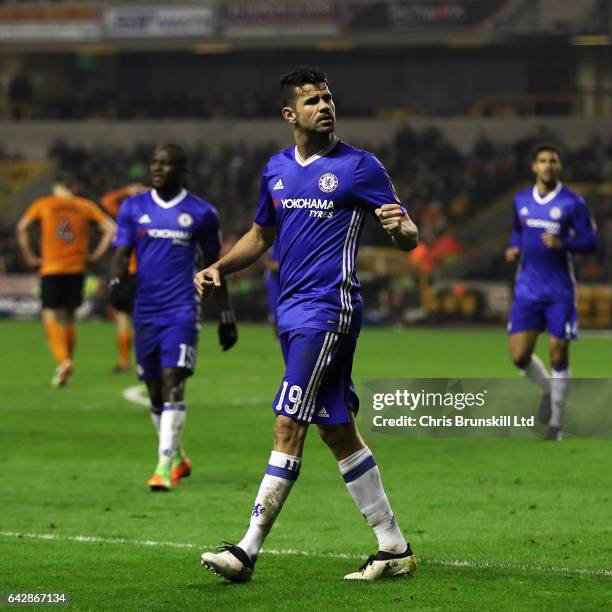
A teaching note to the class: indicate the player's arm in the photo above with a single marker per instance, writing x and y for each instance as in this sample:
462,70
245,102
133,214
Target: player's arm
398,224
23,240
374,188
245,252
209,238
583,238
227,330
108,228
119,291
120,262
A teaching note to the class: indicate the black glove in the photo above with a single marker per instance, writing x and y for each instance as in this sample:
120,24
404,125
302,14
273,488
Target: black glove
228,332
120,294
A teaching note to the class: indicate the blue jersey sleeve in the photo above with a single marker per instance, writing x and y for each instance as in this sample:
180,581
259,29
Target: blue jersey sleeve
373,187
265,214
583,235
126,230
209,236
516,239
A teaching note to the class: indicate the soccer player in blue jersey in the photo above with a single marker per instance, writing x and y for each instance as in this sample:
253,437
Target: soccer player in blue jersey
550,224
313,200
166,226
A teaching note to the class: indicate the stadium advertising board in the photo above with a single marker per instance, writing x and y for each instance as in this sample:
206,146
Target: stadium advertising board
48,23
272,18
159,22
406,15
18,296
278,18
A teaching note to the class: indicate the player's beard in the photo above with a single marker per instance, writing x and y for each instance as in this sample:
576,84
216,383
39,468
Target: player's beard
312,129
551,183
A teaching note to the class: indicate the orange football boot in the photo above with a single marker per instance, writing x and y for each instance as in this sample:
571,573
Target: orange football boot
181,470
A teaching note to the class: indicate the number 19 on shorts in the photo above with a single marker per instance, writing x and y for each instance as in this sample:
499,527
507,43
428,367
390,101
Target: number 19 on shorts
294,397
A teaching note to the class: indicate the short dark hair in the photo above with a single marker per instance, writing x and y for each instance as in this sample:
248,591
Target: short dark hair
304,75
545,146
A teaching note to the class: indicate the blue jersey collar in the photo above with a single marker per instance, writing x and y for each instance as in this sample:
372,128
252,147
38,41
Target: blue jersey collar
549,196
177,199
313,158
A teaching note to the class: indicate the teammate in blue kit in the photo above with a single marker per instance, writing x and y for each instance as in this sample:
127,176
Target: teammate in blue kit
313,200
550,224
166,226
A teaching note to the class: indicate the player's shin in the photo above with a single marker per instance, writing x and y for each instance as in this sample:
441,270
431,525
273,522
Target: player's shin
362,479
57,341
71,337
559,386
171,425
277,482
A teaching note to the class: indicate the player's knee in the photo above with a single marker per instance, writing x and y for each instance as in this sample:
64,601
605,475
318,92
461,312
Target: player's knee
174,392
173,386
342,440
330,435
156,395
520,357
559,361
559,356
288,432
157,399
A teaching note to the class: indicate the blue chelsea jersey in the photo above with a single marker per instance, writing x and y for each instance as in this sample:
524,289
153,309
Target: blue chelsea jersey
547,273
318,207
165,236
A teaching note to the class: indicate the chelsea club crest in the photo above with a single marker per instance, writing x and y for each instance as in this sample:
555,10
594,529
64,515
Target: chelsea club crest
185,220
328,182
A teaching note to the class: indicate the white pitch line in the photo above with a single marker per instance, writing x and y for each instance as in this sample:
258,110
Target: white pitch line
307,553
137,394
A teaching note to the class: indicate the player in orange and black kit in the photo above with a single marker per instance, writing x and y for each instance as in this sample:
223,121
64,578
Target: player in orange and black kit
111,202
64,221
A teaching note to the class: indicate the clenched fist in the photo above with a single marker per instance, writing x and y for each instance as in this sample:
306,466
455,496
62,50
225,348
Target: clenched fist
390,216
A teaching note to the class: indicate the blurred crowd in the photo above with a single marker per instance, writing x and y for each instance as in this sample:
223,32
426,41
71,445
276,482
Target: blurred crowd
94,103
92,100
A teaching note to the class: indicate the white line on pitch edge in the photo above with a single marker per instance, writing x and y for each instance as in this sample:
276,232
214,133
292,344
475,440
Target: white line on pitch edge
307,553
137,394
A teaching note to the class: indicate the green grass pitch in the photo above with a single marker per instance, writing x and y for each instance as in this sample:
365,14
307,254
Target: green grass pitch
497,524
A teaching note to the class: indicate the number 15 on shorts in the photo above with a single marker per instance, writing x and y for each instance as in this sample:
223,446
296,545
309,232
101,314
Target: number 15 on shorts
187,356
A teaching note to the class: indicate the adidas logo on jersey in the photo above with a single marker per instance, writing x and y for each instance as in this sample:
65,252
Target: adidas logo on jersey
524,211
323,413
144,219
278,185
